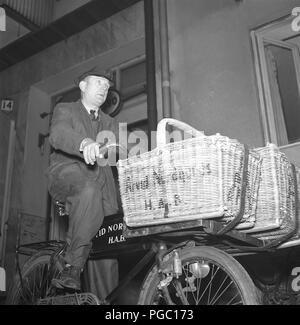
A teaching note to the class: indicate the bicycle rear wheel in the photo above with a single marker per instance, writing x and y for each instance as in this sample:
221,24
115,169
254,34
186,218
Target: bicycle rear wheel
37,274
209,277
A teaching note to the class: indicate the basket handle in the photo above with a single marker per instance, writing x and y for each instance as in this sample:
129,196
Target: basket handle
162,129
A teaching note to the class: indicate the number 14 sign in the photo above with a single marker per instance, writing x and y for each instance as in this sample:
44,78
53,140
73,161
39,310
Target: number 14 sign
7,105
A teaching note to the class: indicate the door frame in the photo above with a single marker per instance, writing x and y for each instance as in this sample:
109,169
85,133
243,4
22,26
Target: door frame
278,33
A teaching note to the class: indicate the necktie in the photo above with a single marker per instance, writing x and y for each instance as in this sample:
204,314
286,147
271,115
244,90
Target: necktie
93,114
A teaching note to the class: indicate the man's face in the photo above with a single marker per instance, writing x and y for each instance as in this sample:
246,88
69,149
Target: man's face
95,89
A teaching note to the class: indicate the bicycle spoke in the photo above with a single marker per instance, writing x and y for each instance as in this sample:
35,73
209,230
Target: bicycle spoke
26,293
209,291
43,278
198,289
231,300
214,301
237,303
212,278
28,287
32,284
224,280
22,293
50,275
186,275
36,285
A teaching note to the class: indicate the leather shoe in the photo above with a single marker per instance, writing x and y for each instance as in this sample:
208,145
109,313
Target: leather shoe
68,279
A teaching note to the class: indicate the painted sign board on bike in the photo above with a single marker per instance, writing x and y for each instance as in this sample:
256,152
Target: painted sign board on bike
110,235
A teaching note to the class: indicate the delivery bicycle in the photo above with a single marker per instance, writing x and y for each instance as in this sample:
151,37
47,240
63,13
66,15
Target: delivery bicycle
181,271
187,262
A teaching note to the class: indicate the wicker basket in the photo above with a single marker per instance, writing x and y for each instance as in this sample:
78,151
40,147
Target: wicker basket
286,227
233,156
197,178
276,194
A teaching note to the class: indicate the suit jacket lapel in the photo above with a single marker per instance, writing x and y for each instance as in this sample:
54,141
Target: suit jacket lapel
84,117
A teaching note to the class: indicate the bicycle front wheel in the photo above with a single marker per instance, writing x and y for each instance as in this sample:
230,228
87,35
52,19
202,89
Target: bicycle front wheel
209,277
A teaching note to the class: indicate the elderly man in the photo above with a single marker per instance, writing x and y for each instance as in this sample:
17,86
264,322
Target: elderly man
74,175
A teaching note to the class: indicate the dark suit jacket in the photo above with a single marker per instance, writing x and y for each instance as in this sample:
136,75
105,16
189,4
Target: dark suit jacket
70,125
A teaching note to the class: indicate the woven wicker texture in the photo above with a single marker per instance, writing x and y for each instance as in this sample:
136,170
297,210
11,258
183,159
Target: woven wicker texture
233,160
286,227
159,187
197,178
276,194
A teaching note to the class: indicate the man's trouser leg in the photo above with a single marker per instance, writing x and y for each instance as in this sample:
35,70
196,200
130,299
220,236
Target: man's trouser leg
88,205
85,219
103,274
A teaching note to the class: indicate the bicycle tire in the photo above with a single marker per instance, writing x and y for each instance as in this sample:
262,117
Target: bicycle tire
223,260
36,265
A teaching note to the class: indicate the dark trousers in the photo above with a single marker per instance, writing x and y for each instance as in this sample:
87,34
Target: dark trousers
88,203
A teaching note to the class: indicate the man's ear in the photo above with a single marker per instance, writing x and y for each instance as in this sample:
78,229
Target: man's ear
82,85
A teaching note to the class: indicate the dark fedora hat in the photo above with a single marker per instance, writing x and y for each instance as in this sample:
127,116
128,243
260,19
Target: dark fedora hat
97,73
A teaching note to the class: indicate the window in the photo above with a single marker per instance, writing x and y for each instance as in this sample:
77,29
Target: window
131,82
131,78
277,63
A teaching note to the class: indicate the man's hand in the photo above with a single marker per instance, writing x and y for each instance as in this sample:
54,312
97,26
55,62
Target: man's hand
91,151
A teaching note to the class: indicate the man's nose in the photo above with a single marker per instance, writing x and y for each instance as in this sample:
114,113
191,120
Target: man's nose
103,88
